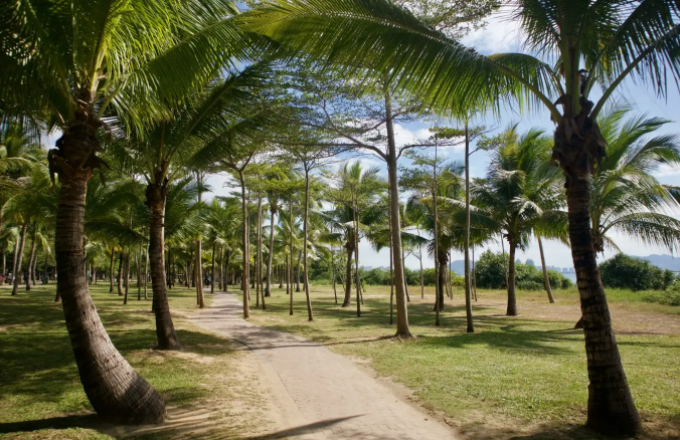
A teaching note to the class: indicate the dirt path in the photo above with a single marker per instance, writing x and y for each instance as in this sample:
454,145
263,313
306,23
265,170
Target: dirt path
319,394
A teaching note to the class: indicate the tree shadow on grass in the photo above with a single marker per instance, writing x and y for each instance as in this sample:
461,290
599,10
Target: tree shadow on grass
37,358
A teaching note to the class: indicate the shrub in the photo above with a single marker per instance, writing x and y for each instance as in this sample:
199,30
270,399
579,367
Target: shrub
491,274
490,270
669,297
626,272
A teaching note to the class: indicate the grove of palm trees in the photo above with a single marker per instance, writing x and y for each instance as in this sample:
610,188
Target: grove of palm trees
234,220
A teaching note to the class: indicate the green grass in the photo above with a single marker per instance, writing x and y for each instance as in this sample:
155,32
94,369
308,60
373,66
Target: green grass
39,383
518,370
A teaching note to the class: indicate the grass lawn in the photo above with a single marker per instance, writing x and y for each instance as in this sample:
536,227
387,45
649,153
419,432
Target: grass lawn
523,375
41,396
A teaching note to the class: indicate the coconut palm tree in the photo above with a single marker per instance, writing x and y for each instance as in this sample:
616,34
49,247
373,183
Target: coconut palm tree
521,192
77,62
594,43
626,197
354,209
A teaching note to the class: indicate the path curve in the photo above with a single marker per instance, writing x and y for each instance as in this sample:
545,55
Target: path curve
320,394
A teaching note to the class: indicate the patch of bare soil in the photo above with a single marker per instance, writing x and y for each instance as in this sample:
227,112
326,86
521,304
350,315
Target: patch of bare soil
625,318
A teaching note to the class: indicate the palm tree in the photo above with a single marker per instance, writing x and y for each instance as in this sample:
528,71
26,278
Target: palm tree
594,42
77,62
521,192
357,190
626,197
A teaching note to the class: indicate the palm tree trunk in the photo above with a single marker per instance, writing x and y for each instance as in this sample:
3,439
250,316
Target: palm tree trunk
45,271
4,264
165,329
146,272
290,284
120,272
221,275
212,270
474,274
403,330
357,281
31,256
610,404
17,259
113,256
391,283
257,279
113,388
246,248
14,260
226,271
272,222
335,290
403,260
348,273
468,278
310,315
546,279
422,276
33,267
128,257
297,272
512,298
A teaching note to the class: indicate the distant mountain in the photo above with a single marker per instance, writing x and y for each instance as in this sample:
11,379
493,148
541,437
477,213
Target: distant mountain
663,261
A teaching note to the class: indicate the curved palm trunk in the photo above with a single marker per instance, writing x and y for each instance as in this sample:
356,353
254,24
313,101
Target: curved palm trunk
18,258
268,291
403,330
546,279
165,329
113,388
512,298
610,404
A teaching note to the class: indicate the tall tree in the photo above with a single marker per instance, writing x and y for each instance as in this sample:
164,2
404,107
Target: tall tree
73,61
520,194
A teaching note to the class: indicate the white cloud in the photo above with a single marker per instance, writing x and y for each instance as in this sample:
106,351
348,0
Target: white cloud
221,184
500,35
665,171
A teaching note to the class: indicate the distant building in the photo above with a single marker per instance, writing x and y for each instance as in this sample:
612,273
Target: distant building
530,262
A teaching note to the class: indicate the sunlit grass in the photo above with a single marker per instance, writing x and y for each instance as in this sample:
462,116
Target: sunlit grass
515,368
39,382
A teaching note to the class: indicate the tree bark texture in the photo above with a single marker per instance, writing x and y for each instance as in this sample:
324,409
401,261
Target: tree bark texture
113,388
165,329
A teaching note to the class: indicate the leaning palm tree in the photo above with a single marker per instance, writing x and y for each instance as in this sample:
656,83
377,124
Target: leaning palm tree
78,62
594,43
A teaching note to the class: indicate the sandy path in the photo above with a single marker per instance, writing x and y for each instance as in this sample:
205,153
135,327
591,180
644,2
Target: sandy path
319,394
